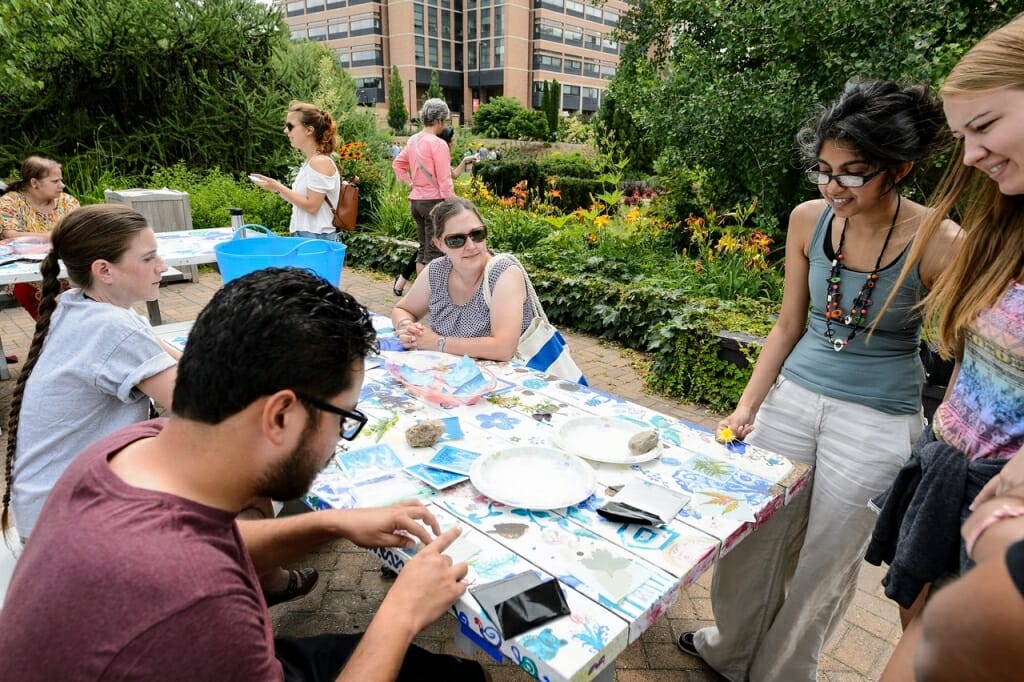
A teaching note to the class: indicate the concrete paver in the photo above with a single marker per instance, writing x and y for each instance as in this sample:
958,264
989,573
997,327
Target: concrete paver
351,587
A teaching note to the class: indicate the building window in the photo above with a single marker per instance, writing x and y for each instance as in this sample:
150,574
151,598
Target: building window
471,57
432,54
446,25
337,29
591,41
343,59
499,53
446,55
573,35
432,22
574,8
591,69
314,5
571,90
420,51
591,93
298,33
318,33
296,7
499,21
362,23
485,23
594,13
574,66
417,18
485,54
547,62
607,71
471,24
552,4
611,18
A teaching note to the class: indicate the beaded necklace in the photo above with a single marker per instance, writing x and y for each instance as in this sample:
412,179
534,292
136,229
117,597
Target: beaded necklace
859,310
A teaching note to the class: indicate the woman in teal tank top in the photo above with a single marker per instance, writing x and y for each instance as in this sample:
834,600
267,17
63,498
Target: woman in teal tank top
836,385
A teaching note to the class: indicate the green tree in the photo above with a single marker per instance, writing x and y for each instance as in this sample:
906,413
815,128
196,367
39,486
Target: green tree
553,108
527,125
397,115
619,136
724,85
492,119
136,83
434,90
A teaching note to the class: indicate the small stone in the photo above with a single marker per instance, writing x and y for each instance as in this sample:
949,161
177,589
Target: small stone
643,442
424,434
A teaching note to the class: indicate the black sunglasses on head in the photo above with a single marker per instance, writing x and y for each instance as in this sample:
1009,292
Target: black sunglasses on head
352,421
457,241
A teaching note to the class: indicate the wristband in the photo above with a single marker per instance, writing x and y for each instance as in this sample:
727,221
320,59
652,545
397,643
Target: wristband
1003,512
440,343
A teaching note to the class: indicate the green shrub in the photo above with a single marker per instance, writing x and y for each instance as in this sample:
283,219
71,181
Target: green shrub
527,125
577,192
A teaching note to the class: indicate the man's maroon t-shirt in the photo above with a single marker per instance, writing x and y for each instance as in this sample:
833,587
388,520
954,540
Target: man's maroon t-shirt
120,583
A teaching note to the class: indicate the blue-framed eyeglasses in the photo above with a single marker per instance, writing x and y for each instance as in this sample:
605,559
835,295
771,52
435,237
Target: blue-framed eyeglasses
352,421
821,178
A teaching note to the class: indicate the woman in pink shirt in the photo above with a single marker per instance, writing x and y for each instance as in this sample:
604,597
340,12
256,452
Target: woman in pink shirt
425,165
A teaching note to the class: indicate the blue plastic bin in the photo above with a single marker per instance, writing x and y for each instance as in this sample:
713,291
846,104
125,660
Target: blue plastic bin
240,256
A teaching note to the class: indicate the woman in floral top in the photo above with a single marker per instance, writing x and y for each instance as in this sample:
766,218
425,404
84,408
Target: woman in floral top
31,208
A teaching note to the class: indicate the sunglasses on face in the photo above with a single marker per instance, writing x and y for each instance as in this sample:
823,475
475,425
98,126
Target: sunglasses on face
457,241
352,421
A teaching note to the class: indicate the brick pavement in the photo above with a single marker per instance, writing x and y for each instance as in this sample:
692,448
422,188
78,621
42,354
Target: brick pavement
351,587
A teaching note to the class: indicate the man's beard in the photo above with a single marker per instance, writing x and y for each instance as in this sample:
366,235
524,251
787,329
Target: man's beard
291,477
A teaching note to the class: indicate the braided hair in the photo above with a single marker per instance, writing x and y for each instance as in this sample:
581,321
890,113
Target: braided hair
91,233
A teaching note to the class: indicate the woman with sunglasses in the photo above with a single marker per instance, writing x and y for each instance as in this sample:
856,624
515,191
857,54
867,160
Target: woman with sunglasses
317,186
452,293
837,384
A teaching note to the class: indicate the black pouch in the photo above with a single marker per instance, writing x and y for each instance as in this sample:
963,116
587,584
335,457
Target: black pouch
624,513
521,602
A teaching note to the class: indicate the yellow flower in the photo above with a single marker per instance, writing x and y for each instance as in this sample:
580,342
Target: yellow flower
728,243
633,215
601,220
725,435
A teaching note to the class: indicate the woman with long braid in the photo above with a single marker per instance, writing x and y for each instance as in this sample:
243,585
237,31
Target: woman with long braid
94,362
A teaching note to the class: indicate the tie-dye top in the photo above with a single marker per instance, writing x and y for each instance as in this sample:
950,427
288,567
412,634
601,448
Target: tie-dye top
984,416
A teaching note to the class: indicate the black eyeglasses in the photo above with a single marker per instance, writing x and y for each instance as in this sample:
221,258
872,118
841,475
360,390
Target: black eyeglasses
457,241
821,178
289,126
352,421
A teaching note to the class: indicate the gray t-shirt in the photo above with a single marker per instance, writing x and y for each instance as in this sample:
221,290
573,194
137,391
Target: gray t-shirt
82,388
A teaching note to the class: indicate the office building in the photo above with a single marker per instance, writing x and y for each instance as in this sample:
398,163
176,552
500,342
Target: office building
480,48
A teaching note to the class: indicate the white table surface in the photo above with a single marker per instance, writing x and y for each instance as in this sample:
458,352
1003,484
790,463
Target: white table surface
618,578
182,247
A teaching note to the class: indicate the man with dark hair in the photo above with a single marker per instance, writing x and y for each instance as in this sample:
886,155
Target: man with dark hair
137,567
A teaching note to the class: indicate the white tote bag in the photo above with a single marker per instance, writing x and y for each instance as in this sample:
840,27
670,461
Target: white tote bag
541,347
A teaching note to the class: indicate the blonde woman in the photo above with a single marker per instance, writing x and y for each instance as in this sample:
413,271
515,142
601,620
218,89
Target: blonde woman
978,308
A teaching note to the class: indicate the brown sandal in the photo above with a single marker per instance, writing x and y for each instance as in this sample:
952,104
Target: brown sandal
300,582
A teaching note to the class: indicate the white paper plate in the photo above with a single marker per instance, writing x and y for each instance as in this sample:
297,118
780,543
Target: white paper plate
533,478
601,439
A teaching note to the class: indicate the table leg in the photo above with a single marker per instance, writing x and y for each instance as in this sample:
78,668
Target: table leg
5,373
606,675
153,308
